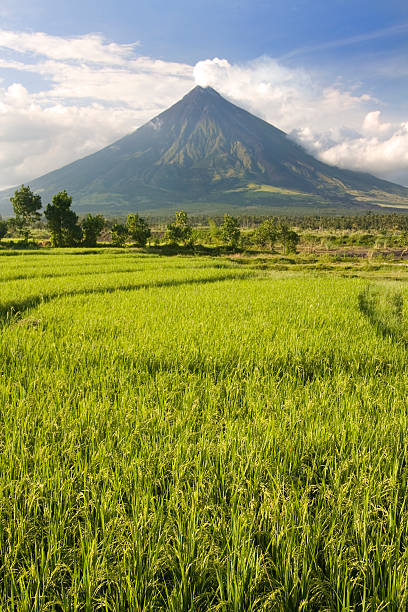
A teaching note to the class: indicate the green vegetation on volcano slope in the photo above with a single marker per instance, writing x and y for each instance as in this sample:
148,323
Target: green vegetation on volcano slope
184,434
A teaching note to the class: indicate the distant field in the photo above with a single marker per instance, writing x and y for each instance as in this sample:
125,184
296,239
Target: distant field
197,434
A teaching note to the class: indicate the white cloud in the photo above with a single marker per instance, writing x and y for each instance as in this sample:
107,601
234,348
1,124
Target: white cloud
373,126
35,140
93,93
382,156
89,48
378,148
90,92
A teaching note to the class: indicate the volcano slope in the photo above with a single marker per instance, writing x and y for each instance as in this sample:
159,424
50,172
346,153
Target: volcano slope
209,155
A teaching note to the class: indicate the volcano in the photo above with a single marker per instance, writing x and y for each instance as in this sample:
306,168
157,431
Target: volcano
209,156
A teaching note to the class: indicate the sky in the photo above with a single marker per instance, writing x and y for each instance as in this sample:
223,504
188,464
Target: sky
74,77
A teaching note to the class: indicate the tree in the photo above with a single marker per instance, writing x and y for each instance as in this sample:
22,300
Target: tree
265,234
230,231
289,239
119,233
214,231
92,226
3,228
138,229
26,205
62,221
180,230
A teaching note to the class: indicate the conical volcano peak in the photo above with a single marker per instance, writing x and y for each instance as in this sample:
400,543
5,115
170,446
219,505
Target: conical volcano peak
203,102
205,151
198,104
201,95
205,90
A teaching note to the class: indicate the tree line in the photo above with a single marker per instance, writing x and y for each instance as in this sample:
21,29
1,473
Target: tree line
63,223
66,230
369,221
182,232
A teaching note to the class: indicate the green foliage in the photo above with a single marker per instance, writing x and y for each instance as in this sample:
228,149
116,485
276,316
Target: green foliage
92,226
266,234
139,230
62,221
229,230
119,234
3,228
289,238
180,230
214,231
356,222
26,205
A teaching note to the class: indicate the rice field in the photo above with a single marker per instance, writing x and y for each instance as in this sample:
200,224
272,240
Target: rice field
191,434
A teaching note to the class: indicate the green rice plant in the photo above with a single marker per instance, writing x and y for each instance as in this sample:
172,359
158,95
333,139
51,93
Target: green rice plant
183,433
384,308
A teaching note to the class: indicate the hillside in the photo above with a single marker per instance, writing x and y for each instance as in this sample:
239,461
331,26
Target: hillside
209,155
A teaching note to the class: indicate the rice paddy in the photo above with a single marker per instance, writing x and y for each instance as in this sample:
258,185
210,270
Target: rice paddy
194,434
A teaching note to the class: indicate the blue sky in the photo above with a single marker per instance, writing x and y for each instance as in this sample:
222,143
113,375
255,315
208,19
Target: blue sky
240,30
76,76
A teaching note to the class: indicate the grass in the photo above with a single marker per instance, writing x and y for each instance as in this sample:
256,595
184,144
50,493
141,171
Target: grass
272,189
190,433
